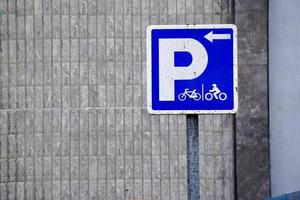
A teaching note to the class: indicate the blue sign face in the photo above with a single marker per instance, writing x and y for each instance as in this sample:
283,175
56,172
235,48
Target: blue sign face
192,69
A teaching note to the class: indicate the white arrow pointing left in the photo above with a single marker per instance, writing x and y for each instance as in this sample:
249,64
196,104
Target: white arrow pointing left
211,36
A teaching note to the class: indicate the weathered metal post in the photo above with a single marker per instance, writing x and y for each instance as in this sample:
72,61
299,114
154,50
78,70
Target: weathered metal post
193,157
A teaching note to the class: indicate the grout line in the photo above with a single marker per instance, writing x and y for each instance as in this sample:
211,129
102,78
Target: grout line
87,108
133,110
88,101
178,156
124,152
124,91
8,59
97,146
185,19
52,155
17,99
176,20
8,115
185,11
88,152
12,157
150,121
159,117
233,180
151,156
1,68
204,136
25,158
160,159
86,179
97,94
79,101
203,15
106,177
34,102
169,154
43,88
115,132
133,155
194,12
115,95
214,154
26,112
106,92
69,111
204,156
142,143
114,52
141,111
222,153
57,62
233,130
61,100
51,77
105,53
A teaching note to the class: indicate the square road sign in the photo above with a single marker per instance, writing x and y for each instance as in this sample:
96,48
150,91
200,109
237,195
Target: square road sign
192,69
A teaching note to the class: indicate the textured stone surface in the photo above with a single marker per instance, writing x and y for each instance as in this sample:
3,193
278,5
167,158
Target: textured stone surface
72,104
252,149
216,157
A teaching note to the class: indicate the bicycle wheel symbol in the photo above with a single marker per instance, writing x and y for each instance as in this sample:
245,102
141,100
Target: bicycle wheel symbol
197,97
182,96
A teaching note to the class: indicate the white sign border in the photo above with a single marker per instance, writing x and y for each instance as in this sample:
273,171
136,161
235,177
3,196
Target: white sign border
149,68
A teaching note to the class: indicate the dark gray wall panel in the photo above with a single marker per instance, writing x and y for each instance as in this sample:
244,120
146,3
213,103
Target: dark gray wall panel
252,157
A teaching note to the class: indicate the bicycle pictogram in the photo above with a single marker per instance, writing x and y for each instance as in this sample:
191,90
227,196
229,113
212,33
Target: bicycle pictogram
192,94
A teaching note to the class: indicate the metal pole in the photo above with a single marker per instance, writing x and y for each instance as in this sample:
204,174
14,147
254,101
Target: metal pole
193,157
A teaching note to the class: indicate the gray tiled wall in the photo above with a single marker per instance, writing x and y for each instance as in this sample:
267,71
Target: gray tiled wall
73,113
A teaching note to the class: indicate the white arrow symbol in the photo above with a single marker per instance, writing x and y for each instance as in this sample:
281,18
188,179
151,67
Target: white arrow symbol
210,36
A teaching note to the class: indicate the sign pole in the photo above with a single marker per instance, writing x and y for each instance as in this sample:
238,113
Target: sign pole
193,157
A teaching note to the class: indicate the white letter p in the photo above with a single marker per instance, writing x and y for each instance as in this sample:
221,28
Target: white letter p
168,73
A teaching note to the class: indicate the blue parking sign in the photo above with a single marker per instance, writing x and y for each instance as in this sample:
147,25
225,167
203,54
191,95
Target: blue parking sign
192,69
